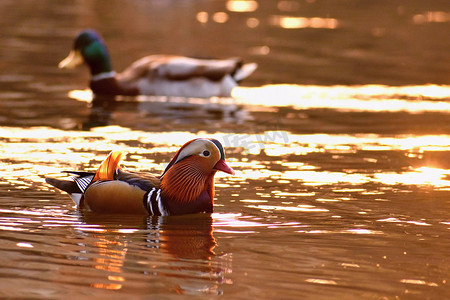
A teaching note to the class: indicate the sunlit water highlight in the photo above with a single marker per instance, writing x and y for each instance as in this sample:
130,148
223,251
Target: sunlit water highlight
373,98
34,158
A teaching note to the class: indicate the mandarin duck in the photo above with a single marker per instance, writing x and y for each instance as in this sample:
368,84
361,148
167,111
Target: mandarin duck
186,186
161,75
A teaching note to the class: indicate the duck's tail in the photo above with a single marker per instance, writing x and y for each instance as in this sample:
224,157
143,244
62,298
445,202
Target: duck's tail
75,187
244,71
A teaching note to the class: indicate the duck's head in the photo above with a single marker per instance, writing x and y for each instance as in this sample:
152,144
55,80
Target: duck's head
202,154
88,47
188,180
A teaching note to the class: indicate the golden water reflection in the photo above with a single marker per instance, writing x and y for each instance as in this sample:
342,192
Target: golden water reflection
432,17
302,22
374,98
27,155
179,247
242,5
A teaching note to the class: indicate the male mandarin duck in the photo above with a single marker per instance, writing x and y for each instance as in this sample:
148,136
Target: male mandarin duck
161,75
186,186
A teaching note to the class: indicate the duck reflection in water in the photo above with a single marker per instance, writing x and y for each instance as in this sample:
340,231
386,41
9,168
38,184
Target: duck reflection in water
178,247
101,110
156,111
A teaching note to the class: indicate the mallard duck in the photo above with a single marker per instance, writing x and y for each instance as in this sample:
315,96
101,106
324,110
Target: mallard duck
186,186
162,75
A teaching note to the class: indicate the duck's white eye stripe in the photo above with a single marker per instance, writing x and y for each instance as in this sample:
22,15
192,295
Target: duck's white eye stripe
195,147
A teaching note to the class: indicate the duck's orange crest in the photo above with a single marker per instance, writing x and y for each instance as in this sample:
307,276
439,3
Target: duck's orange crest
108,167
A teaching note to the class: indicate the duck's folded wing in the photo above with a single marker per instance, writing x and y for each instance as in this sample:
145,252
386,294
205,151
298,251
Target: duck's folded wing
143,181
180,68
125,194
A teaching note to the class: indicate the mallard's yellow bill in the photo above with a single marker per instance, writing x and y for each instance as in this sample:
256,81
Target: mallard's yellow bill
72,60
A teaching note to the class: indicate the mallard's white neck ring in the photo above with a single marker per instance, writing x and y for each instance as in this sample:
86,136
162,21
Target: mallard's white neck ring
103,75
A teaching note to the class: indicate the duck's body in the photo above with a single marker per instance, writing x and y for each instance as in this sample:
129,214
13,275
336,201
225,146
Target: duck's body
162,75
186,186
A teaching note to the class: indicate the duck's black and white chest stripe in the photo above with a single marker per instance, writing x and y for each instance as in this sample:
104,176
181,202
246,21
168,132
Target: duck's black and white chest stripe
154,204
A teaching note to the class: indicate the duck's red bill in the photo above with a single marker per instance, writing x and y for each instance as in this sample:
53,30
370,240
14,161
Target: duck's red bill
222,166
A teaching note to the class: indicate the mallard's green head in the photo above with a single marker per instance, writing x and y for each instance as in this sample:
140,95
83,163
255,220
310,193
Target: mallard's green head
90,48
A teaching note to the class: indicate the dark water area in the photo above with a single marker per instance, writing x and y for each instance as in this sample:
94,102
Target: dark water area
340,141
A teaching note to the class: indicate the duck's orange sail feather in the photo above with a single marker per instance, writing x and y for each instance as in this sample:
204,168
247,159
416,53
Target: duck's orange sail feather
108,167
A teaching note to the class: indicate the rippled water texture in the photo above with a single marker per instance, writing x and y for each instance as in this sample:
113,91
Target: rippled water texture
340,141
